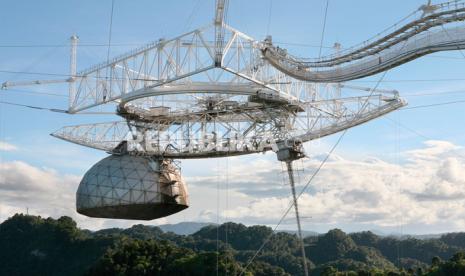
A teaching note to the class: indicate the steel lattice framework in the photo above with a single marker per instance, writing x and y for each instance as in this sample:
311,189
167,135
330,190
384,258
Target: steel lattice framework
180,98
216,92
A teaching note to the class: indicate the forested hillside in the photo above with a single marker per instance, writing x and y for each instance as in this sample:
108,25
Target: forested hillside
32,245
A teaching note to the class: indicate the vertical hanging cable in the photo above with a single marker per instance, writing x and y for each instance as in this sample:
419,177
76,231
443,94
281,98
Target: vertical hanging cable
191,17
269,18
217,216
108,81
324,28
399,187
227,198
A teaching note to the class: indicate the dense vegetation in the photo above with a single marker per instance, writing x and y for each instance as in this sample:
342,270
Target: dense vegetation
32,245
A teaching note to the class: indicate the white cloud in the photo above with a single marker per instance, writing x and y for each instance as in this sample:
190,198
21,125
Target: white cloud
427,187
44,192
4,146
424,191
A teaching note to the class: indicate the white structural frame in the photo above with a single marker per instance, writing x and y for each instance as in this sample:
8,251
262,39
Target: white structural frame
413,40
267,105
186,65
221,88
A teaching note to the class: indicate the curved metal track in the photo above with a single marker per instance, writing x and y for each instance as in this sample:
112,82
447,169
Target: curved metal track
409,42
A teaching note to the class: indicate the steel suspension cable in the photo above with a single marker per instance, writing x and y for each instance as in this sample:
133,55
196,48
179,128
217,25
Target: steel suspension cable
432,105
408,128
109,49
359,113
217,216
291,205
324,28
269,18
192,15
34,107
142,79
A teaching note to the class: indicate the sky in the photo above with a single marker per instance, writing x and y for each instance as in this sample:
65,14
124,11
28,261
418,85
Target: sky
403,173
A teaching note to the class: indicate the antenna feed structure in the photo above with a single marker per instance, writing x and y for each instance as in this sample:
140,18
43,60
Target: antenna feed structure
289,151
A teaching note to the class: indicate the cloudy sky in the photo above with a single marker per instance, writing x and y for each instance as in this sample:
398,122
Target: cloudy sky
402,173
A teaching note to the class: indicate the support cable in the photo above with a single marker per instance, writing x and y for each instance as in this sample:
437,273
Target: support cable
35,107
324,29
143,79
191,17
269,18
434,93
217,216
365,104
359,113
108,51
290,170
407,128
112,113
432,105
292,203
55,109
227,199
400,191
35,93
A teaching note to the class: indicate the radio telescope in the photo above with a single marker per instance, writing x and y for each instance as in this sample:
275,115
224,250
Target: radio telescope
216,92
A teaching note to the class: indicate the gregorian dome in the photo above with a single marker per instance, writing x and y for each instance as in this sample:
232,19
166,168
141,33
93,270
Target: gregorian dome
131,187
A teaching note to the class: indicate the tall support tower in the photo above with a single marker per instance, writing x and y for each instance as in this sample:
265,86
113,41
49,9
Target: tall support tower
74,39
289,153
221,6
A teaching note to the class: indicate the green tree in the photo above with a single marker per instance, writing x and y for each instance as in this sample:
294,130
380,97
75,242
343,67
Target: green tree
329,271
139,257
435,261
205,264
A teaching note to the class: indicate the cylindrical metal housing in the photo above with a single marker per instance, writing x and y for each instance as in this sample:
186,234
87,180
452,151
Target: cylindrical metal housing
131,187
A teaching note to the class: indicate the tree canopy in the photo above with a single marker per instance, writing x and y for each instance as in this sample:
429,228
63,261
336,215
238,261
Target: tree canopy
33,245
